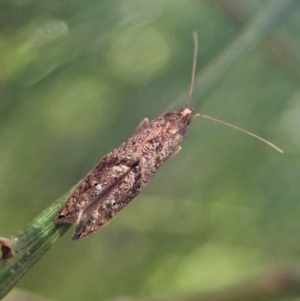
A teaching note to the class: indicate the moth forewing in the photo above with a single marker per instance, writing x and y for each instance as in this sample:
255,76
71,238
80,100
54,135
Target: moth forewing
96,196
103,208
122,174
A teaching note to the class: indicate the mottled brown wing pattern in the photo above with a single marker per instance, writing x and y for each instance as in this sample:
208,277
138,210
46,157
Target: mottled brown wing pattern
101,179
123,173
105,206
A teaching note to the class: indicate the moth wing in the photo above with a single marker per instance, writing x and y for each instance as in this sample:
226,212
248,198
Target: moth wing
96,182
85,221
71,213
100,198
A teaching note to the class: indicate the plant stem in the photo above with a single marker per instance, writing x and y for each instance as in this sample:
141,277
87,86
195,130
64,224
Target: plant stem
29,244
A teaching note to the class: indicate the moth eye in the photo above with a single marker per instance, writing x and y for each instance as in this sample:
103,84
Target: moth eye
128,156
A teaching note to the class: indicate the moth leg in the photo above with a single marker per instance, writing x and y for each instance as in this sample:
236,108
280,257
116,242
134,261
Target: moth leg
144,123
176,151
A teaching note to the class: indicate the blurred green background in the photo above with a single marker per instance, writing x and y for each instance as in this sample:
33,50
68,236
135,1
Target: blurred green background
76,78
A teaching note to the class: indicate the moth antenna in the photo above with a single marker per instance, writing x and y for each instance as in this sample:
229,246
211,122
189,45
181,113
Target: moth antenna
195,38
243,131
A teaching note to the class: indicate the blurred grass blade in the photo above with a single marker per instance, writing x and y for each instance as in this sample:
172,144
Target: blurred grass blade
255,31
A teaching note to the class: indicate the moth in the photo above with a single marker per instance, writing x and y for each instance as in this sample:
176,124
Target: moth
122,174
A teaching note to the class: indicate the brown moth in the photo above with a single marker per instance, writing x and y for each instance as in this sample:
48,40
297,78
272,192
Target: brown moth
122,174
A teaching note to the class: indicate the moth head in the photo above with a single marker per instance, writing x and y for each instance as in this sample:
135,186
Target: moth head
187,114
